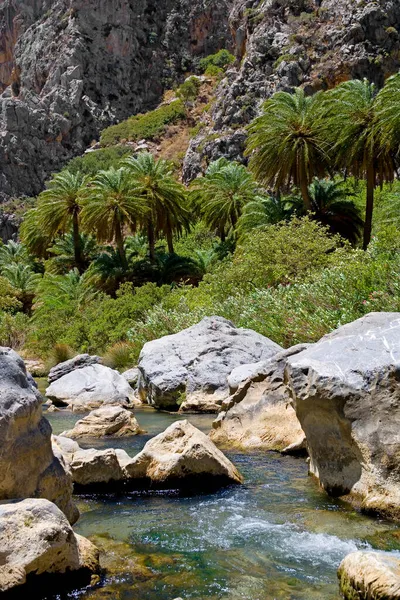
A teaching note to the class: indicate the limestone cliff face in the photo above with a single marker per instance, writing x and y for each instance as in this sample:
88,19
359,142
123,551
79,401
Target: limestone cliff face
69,68
281,44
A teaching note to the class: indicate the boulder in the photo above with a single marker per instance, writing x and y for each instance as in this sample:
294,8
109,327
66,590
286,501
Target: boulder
107,421
259,414
190,368
370,576
36,538
91,387
131,375
28,466
78,362
346,393
92,467
182,456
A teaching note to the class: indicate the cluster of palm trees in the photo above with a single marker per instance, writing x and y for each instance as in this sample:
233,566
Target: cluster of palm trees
351,129
302,141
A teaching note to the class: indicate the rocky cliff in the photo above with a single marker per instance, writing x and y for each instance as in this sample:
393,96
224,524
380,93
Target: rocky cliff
68,68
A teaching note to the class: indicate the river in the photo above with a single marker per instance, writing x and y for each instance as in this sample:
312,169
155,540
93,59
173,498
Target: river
277,537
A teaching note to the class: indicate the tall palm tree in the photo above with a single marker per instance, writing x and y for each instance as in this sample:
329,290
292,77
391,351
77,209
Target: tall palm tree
222,193
33,236
352,114
285,144
62,253
163,195
59,206
111,202
332,208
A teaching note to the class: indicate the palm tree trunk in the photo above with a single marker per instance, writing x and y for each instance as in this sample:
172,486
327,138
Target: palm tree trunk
119,240
77,243
304,186
152,240
369,208
222,233
170,242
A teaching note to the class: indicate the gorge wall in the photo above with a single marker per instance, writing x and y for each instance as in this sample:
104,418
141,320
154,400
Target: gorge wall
69,68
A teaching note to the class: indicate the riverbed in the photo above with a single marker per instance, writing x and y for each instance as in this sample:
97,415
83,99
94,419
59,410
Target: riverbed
277,537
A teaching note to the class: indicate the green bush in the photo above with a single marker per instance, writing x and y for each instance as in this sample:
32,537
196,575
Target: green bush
221,59
189,89
102,159
149,125
214,71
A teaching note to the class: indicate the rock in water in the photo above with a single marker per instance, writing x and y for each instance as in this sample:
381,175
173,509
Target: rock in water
107,421
346,392
182,456
28,466
78,362
259,414
36,538
91,387
370,576
190,368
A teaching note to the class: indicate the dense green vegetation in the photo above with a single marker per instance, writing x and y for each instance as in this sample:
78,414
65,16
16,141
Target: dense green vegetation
117,251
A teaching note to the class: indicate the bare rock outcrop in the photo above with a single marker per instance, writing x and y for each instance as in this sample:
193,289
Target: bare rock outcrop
190,368
37,539
259,414
182,456
91,387
77,362
370,576
28,466
108,421
346,393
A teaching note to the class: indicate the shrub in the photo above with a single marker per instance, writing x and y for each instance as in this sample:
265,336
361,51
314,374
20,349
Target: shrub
214,71
58,354
222,59
13,329
144,126
97,160
189,90
119,356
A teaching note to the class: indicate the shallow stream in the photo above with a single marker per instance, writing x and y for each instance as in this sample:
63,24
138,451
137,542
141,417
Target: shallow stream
278,537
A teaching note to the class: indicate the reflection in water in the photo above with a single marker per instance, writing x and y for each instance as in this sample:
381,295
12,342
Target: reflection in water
278,537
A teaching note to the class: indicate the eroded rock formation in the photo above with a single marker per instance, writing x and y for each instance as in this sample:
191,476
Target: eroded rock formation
28,466
259,414
370,576
108,421
346,392
190,368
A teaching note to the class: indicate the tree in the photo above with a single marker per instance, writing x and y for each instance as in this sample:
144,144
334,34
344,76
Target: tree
24,280
222,193
267,210
164,197
353,114
13,253
62,253
111,202
333,209
285,143
59,206
32,235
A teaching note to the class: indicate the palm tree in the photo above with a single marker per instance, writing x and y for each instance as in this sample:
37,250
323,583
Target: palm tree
111,202
32,235
63,253
60,292
59,207
13,253
334,209
267,210
164,197
24,280
285,143
353,114
222,193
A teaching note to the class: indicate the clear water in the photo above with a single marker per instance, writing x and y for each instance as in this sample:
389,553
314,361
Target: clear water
278,537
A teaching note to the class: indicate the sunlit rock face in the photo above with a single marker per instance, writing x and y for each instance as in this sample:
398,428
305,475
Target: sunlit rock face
346,394
28,467
69,68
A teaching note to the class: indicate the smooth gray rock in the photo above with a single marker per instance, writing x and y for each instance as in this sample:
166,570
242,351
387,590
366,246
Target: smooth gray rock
28,466
346,393
132,376
78,362
91,387
190,368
